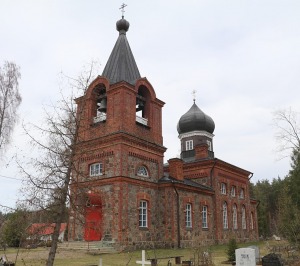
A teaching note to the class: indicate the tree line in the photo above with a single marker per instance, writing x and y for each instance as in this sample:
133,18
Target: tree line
279,199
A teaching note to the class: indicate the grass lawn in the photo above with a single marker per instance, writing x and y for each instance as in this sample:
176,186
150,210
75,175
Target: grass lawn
33,257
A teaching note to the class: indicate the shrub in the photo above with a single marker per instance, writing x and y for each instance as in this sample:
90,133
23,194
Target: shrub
232,246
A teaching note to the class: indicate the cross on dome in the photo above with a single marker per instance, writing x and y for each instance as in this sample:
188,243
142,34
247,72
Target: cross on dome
122,9
194,95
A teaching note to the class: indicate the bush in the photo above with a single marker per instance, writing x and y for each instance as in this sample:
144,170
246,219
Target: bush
232,246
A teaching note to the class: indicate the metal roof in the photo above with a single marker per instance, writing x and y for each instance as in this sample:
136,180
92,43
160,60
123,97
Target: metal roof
195,119
121,65
168,179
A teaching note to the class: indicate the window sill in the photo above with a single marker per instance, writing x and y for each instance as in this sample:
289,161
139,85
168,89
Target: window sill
144,228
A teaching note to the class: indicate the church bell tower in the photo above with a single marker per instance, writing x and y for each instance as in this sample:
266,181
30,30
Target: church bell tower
120,149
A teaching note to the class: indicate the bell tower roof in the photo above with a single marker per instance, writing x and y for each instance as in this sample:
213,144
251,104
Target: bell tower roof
121,65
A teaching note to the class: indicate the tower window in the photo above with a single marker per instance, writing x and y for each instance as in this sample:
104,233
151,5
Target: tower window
209,145
101,103
142,171
189,145
96,169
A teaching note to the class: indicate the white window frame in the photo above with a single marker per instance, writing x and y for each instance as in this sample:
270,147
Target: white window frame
189,145
225,216
204,216
142,171
96,169
233,190
234,217
143,214
209,143
251,221
188,215
242,193
244,224
223,188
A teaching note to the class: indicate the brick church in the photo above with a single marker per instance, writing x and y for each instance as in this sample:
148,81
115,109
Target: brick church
122,191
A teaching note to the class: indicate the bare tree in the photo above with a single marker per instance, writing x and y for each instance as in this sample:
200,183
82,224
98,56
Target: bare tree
49,186
287,134
10,100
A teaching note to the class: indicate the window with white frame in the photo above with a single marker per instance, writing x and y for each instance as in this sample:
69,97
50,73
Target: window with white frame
96,169
233,189
143,217
223,188
244,225
225,216
204,217
188,215
242,193
209,145
189,145
234,217
251,221
142,171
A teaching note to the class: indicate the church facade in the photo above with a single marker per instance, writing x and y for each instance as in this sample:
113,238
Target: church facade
121,190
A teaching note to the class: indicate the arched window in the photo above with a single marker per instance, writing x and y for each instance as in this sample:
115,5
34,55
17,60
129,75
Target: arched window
234,217
251,221
143,213
242,193
142,105
225,216
204,217
223,188
188,215
244,224
100,103
142,171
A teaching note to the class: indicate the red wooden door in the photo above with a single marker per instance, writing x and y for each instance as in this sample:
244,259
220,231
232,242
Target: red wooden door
93,218
92,230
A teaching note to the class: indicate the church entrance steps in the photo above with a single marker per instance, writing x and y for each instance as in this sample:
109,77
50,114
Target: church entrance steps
99,247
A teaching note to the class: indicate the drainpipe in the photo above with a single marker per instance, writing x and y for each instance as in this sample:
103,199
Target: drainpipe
178,216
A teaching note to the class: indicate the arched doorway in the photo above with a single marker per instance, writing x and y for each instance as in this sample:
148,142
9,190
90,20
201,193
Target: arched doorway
93,218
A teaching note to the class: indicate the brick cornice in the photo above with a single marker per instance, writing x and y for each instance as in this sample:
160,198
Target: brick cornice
121,136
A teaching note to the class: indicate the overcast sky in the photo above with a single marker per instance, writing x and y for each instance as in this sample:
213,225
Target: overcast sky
242,57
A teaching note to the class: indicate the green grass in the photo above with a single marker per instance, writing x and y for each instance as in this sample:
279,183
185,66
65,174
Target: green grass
34,257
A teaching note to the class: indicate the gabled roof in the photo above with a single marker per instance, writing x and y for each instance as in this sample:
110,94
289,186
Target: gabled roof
44,229
121,65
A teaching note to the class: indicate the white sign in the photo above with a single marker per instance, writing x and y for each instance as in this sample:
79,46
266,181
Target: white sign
245,257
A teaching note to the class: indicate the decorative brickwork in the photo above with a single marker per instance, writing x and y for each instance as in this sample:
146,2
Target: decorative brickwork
142,203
